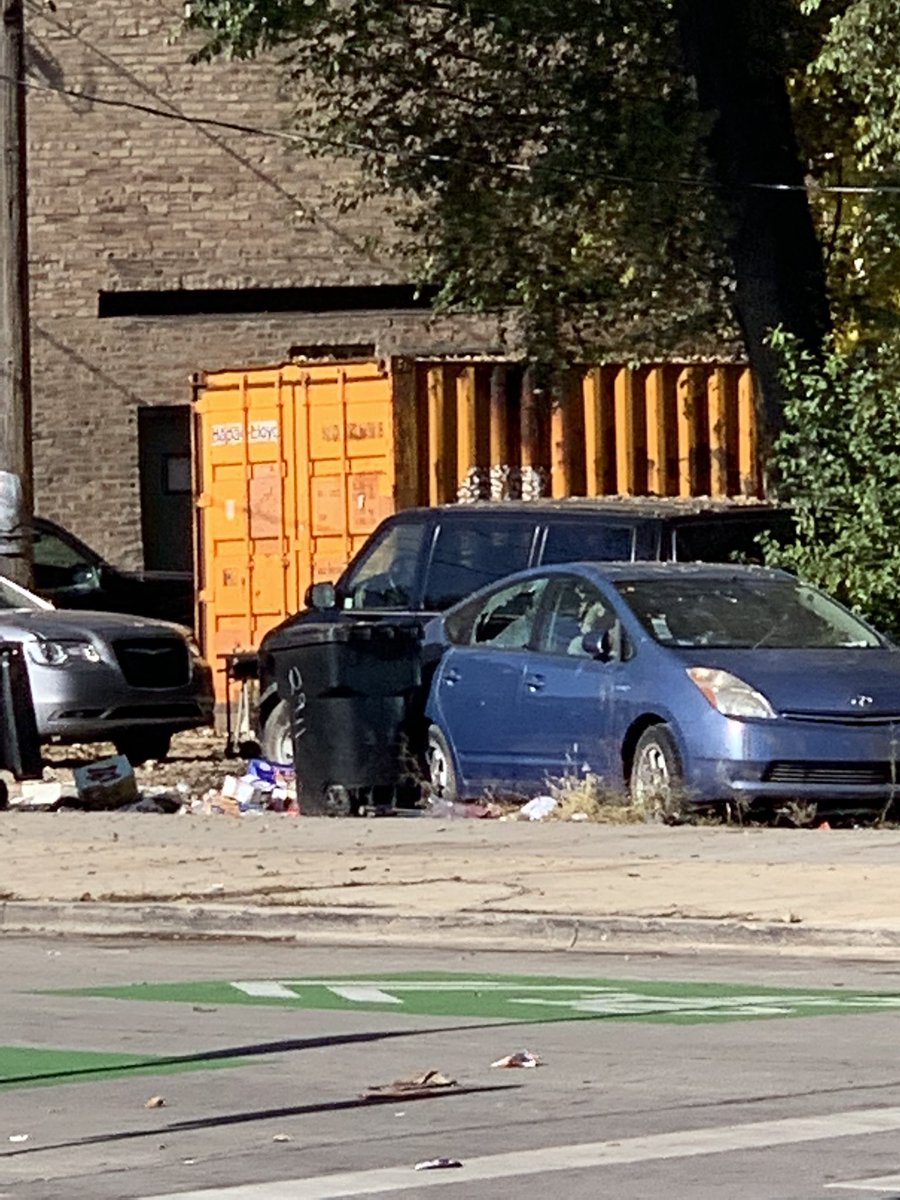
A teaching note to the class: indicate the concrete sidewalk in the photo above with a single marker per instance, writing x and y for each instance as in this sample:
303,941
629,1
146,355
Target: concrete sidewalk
466,881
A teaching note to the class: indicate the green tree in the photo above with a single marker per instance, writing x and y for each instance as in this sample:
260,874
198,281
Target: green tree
592,165
849,102
838,465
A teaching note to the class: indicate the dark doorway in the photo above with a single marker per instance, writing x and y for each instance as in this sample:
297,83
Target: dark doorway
164,447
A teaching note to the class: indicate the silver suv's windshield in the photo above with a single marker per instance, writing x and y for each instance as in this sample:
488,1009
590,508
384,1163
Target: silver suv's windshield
743,614
13,597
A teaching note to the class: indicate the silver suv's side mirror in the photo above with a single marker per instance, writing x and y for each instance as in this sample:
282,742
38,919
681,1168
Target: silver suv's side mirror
320,596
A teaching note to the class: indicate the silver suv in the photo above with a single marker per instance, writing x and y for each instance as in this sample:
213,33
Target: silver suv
99,676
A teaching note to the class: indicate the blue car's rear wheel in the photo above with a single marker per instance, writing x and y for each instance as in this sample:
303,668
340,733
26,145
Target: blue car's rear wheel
657,776
441,773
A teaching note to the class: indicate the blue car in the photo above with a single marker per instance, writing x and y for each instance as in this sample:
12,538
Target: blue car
714,685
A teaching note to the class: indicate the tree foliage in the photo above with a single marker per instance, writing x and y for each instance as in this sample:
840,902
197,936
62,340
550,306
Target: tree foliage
546,156
848,104
838,465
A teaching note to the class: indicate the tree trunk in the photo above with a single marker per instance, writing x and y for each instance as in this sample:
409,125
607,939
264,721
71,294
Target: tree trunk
734,50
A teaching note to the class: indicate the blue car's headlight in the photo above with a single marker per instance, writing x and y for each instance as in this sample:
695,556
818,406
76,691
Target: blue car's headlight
60,654
730,696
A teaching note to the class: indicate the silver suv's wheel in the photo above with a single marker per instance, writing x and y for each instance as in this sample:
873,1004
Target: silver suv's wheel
657,778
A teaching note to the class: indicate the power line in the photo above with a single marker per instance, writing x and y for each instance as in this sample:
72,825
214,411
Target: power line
520,168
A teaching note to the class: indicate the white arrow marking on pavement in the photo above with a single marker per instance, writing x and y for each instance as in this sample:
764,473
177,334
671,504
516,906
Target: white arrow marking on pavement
615,1003
688,1143
364,995
265,987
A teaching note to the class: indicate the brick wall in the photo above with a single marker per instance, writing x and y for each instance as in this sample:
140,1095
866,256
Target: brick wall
124,200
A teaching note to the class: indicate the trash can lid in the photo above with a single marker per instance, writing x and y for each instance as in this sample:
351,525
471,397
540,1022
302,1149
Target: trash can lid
319,633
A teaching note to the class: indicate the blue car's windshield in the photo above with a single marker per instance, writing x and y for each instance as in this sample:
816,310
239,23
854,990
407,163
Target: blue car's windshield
742,614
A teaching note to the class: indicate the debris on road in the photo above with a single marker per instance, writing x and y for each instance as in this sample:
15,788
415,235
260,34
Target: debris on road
265,787
282,1137
156,1102
108,783
18,1137
524,1058
429,1083
437,1164
38,794
438,807
191,781
538,808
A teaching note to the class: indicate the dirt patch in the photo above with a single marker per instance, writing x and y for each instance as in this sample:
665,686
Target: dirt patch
196,761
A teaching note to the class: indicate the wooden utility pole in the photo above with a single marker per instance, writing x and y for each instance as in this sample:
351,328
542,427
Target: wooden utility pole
16,497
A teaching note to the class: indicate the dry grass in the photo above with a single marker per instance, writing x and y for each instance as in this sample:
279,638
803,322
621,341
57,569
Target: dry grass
587,798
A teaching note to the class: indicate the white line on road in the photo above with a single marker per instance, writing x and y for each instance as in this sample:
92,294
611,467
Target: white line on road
884,1183
689,1143
365,995
265,987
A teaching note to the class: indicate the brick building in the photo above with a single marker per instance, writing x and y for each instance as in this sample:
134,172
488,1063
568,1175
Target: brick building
161,247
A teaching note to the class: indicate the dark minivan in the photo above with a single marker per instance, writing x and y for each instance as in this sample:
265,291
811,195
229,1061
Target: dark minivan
422,560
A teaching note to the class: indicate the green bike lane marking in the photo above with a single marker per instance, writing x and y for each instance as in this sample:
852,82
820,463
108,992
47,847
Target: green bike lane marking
519,998
42,1066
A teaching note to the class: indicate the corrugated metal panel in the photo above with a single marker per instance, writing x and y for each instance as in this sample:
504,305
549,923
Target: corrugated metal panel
297,464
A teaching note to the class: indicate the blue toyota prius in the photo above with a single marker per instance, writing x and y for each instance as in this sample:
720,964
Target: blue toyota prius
718,684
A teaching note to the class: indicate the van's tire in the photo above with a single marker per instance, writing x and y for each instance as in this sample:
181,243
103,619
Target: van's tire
276,739
656,782
441,779
144,745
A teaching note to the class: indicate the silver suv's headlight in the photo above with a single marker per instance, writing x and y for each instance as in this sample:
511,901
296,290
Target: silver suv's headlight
731,696
61,653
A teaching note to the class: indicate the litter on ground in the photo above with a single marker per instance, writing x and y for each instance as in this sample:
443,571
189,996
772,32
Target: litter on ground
429,1083
524,1058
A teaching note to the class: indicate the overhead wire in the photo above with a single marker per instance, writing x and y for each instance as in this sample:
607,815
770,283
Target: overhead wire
522,168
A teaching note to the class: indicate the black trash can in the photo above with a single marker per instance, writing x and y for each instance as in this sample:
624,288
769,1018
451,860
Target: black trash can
20,747
355,696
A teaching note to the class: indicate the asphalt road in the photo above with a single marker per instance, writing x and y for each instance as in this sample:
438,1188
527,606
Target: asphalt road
693,1077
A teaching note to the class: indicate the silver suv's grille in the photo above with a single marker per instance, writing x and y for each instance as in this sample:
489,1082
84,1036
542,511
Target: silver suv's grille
154,662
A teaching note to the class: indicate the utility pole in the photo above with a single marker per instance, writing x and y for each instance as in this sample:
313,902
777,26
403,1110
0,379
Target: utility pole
16,494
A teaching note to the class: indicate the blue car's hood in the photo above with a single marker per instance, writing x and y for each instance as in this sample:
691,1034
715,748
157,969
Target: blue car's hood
814,681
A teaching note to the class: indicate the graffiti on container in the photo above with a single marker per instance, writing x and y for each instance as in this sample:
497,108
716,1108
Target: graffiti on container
227,435
263,431
503,482
298,703
357,431
232,433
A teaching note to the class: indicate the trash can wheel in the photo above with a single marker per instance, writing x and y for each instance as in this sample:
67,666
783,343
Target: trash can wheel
338,801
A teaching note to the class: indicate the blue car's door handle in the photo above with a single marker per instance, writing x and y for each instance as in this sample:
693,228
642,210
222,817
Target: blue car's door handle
452,676
535,683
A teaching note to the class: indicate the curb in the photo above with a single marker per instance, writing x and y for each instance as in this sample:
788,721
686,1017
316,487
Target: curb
485,930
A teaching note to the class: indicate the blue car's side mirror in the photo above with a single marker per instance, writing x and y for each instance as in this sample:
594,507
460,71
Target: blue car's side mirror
599,645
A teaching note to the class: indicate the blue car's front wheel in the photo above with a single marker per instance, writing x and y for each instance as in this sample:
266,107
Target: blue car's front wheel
441,772
657,776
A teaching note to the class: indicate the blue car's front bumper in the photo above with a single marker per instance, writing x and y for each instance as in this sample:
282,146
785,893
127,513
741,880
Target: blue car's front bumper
783,759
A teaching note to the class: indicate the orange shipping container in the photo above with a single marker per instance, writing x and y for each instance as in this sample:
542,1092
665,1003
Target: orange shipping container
295,465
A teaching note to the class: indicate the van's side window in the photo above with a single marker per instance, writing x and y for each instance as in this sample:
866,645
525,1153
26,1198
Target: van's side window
588,541
386,576
469,555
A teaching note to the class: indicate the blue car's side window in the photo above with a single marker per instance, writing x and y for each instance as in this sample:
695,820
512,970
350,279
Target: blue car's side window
576,609
507,619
